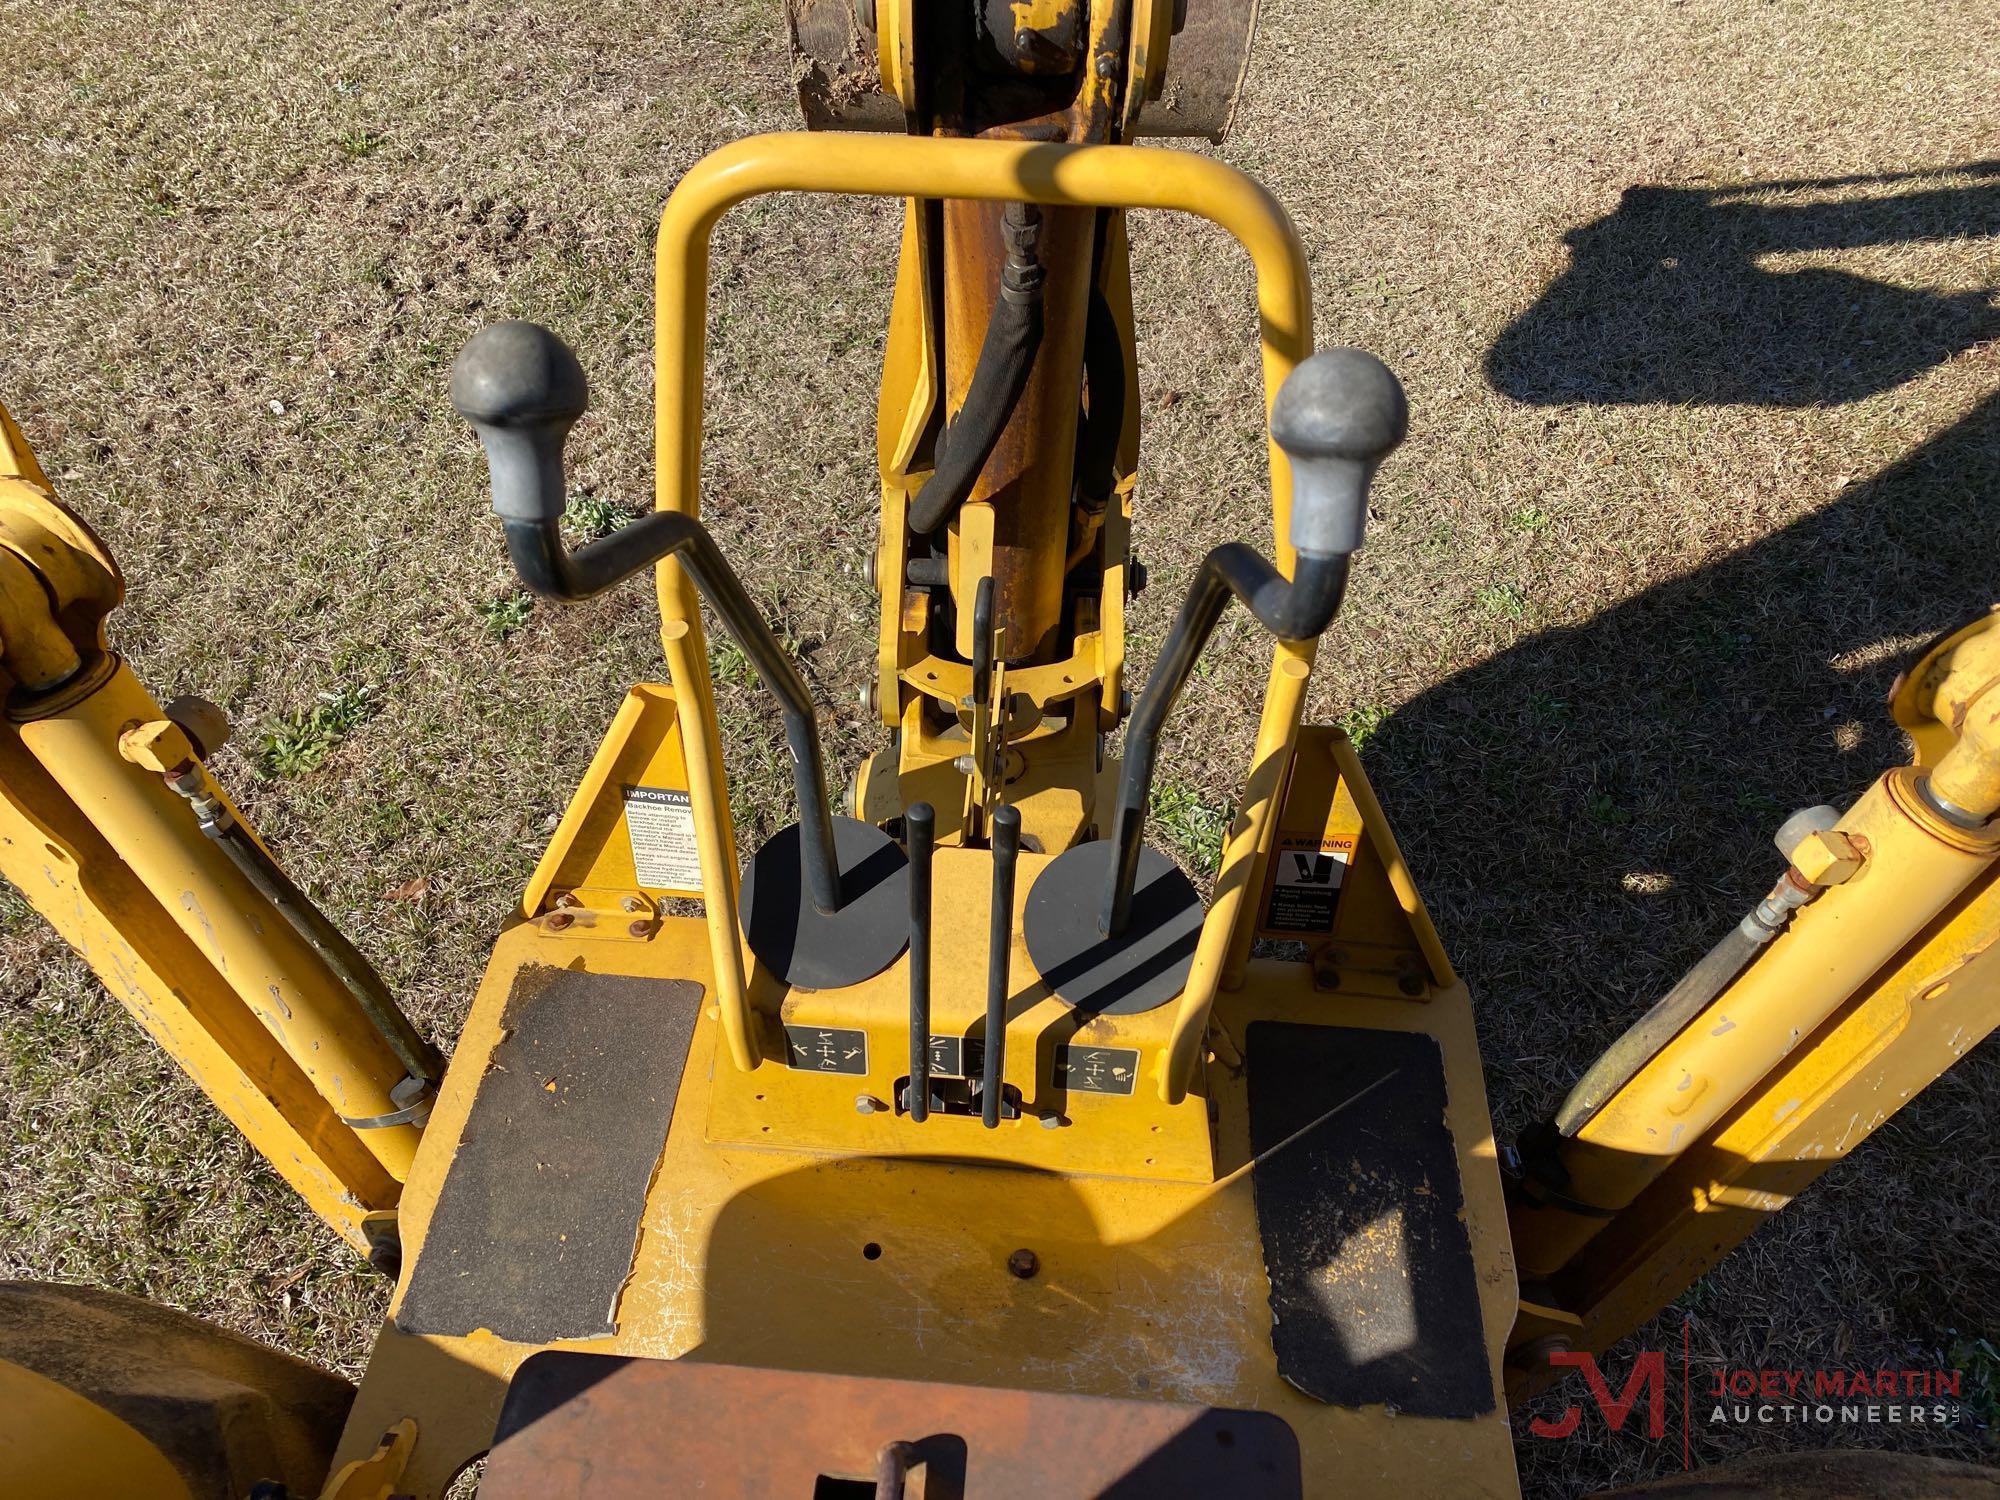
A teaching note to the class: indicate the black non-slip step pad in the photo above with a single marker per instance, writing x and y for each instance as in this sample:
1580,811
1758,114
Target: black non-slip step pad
1374,1296
536,1226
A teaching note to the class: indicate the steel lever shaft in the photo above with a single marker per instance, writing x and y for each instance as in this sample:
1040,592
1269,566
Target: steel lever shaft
999,961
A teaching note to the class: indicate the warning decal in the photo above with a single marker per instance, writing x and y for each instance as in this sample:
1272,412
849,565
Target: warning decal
660,821
1305,887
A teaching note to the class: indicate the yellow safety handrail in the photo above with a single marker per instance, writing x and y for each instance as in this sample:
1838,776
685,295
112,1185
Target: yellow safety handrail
1121,177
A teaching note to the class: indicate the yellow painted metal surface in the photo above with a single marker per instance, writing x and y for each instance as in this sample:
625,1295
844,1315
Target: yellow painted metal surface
51,853
1936,1002
760,1253
1096,176
278,976
57,1445
1929,699
115,862
379,1476
590,859
1133,1135
1917,866
1379,921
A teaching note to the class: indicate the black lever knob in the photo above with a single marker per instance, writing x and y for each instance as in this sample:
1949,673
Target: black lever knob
1337,416
521,389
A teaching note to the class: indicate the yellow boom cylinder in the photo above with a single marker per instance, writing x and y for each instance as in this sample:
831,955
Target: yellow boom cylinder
1918,862
285,984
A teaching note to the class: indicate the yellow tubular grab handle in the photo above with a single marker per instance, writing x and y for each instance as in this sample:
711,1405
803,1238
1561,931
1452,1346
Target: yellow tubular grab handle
1121,177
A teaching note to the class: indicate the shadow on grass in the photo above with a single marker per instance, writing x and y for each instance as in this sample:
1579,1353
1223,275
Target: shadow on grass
1636,317
1589,809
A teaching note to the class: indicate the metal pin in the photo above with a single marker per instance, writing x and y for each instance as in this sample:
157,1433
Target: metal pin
1006,845
920,826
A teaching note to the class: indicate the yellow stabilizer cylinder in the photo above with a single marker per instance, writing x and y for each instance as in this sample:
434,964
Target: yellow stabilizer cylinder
280,978
1917,863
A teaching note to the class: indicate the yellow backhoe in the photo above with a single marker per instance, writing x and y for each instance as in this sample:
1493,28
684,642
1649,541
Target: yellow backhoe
952,1142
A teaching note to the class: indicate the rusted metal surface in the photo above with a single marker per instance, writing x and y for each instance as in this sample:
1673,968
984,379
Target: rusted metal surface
605,1427
835,66
1027,478
1206,63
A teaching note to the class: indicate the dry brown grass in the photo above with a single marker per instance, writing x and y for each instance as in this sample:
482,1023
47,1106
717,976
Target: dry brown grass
1677,492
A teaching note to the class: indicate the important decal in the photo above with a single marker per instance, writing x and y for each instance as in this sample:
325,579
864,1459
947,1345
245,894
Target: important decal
660,822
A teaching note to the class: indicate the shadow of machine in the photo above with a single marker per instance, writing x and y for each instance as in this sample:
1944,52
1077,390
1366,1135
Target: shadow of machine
1671,297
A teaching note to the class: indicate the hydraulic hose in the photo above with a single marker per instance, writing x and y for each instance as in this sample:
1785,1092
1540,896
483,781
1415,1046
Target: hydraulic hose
1006,358
356,975
1713,973
1103,422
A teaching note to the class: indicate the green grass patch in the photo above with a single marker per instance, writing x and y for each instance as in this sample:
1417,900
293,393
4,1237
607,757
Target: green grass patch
1193,825
1361,721
1504,601
302,742
594,516
505,615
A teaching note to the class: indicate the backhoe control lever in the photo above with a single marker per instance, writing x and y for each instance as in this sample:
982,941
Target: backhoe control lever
1336,417
999,963
825,878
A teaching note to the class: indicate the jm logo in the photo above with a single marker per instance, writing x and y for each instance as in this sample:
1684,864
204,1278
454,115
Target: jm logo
1648,1378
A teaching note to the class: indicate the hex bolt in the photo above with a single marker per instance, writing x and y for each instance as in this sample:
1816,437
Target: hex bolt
871,696
1053,1121
1024,1264
868,1104
1326,968
1535,1353
965,765
567,898
635,904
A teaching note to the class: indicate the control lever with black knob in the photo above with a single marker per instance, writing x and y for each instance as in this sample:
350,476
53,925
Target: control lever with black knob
1112,925
823,901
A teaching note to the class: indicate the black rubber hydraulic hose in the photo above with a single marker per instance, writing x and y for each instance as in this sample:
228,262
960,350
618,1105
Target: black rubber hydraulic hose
1712,973
1006,357
1696,990
357,976
1102,425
